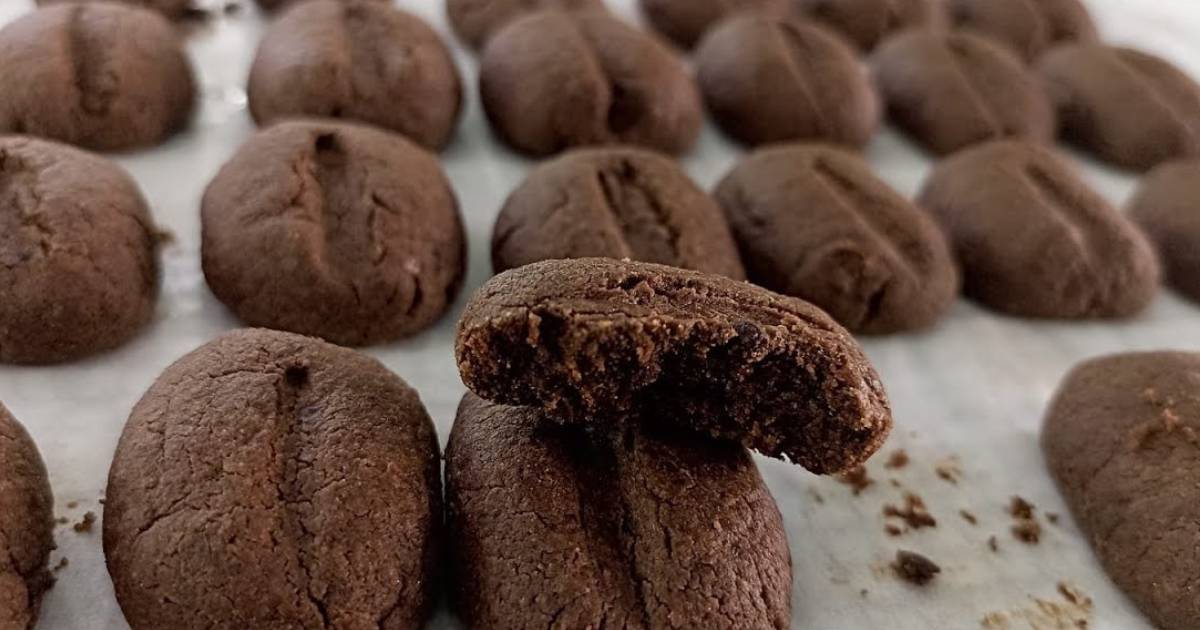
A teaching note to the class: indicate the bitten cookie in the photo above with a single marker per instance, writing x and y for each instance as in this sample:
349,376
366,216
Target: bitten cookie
26,526
953,90
686,21
814,222
598,341
78,253
173,9
98,75
1029,27
359,59
557,526
474,21
1122,439
1034,240
333,230
1128,107
554,80
866,23
615,203
1167,207
269,480
767,79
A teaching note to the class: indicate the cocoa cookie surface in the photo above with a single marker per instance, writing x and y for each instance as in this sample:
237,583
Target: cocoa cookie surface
1029,27
686,21
1122,439
98,75
173,9
78,253
1167,207
616,203
866,23
558,526
771,79
476,20
269,480
26,526
361,60
333,230
1034,240
598,341
952,90
1128,107
275,5
814,222
553,80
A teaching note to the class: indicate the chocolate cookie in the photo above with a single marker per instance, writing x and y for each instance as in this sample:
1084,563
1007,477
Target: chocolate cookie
767,79
173,9
274,5
269,480
78,253
1126,106
866,23
617,203
1029,27
686,21
557,526
359,59
553,80
814,222
26,526
333,230
1167,207
1034,240
476,20
1122,439
952,90
99,75
596,341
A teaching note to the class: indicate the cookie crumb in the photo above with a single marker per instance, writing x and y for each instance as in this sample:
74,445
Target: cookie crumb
994,544
898,459
994,621
863,593
1052,517
949,471
857,478
968,517
85,526
892,530
62,564
816,496
1028,532
1074,595
895,482
62,520
1020,508
915,568
914,513
71,505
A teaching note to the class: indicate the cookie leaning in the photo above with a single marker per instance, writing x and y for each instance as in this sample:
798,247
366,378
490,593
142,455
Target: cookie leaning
600,341
26,526
269,480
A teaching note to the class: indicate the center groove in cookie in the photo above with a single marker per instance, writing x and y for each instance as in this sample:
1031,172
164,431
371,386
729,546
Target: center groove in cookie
1130,64
95,82
644,225
801,56
960,51
23,228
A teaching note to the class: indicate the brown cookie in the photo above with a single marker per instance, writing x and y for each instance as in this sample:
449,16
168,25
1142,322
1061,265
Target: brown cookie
767,79
553,80
686,21
474,21
1126,106
26,526
78,253
814,222
617,203
866,23
269,480
275,5
1034,240
596,341
1122,439
361,60
173,9
334,230
555,526
953,90
98,75
1167,207
1028,27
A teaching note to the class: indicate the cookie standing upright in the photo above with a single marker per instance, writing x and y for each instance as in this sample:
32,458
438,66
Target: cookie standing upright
1029,27
474,21
1167,206
26,526
867,23
685,22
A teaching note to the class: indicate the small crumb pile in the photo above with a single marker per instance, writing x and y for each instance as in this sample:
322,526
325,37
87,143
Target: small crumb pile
915,568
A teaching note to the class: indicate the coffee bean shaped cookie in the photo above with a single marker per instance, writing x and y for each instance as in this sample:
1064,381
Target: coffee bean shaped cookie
1126,106
173,9
953,90
98,75
615,203
26,526
1034,240
767,79
1122,439
1028,27
554,526
554,80
333,230
79,269
686,21
476,20
600,341
1167,207
814,222
269,480
362,60
275,5
866,23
